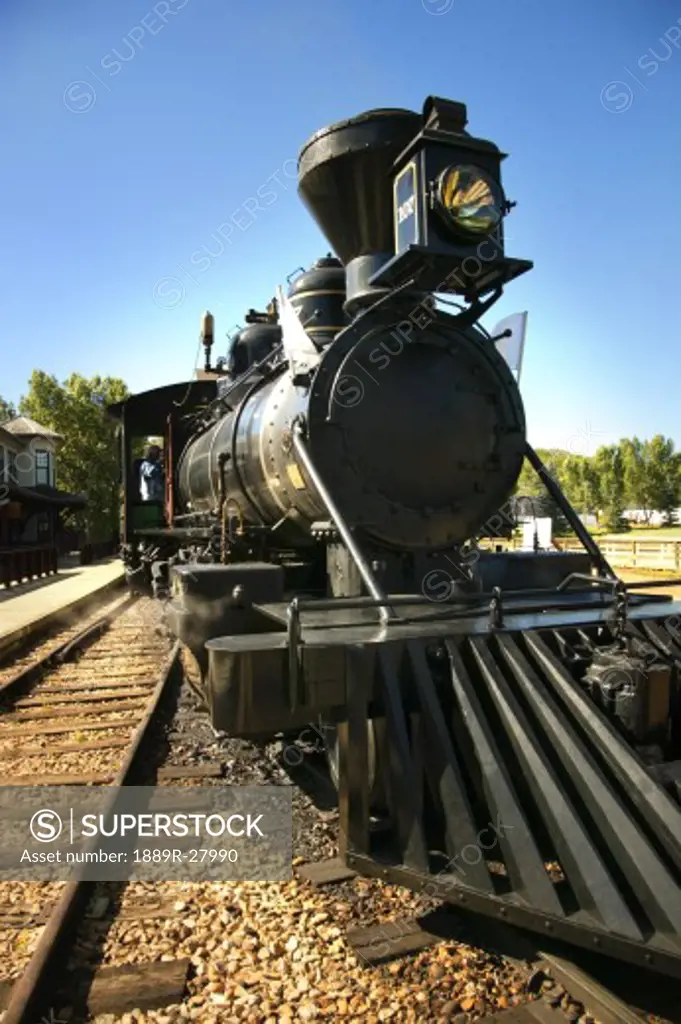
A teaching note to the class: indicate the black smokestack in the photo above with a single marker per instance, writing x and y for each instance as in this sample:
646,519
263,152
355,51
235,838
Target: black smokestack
344,179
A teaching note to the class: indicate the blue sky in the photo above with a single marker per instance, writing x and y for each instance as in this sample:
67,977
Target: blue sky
133,130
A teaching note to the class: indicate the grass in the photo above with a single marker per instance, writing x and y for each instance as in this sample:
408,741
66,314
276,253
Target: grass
635,533
644,533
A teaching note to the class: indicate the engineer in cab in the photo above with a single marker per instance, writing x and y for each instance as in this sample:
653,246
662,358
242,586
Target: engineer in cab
151,478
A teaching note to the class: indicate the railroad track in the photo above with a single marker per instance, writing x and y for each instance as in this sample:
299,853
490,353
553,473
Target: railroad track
561,983
226,951
23,662
76,712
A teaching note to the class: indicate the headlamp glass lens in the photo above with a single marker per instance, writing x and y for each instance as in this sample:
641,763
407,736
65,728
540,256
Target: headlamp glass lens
471,199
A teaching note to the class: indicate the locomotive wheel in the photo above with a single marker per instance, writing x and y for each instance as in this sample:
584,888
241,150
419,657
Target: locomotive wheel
377,797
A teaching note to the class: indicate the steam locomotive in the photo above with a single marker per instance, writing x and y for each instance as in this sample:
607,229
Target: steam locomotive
324,492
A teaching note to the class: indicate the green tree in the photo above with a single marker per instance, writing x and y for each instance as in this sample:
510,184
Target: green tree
580,481
637,491
7,410
664,475
631,474
571,480
609,467
652,475
591,487
530,486
87,461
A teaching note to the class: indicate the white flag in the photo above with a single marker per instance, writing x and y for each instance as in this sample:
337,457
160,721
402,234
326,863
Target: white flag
512,347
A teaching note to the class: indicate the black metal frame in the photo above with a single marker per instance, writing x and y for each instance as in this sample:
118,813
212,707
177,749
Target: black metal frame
476,613
515,743
484,723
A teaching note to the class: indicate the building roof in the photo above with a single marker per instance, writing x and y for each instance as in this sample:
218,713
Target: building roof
41,495
22,426
7,438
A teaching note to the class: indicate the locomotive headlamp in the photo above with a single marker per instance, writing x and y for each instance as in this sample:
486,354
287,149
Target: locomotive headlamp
470,200
448,211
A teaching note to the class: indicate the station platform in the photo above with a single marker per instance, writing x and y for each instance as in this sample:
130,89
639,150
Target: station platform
37,605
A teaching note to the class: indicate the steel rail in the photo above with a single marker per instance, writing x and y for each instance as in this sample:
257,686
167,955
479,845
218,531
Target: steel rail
598,1000
29,994
26,677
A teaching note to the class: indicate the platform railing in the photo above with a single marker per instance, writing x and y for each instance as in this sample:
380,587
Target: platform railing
26,563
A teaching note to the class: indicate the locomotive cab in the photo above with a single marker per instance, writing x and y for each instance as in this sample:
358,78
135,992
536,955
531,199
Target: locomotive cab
147,526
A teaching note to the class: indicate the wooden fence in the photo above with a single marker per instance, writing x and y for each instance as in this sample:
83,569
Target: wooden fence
17,564
629,553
